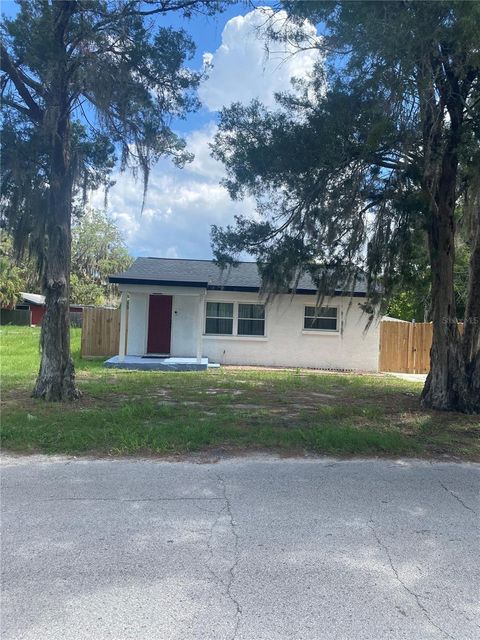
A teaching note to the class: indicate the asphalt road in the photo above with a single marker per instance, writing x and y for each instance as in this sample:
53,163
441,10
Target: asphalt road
247,549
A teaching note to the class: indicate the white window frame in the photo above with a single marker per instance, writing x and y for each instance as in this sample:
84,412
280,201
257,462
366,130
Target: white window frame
251,335
232,318
235,335
318,316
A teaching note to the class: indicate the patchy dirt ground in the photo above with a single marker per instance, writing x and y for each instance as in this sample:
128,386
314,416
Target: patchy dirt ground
239,408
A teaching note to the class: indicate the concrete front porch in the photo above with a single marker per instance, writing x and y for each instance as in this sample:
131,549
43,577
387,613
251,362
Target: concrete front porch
158,364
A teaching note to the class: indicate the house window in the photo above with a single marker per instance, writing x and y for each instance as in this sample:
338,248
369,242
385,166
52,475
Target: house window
320,319
219,318
251,320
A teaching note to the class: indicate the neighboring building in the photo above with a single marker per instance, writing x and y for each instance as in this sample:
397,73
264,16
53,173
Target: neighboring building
32,308
35,303
194,309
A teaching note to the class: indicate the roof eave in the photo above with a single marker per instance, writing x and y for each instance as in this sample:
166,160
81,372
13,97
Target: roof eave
163,283
245,289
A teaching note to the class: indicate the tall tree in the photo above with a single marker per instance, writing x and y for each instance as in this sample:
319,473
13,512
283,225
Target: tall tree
348,174
77,76
98,250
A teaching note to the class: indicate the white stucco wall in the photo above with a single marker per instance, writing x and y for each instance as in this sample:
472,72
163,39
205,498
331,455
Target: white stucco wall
185,325
285,342
137,324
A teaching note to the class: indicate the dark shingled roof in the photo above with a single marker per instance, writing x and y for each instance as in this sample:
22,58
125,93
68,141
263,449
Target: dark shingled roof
205,273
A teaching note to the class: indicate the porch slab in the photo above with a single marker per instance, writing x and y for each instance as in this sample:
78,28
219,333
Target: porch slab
157,364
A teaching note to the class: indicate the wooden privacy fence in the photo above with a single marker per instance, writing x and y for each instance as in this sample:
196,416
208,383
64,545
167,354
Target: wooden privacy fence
100,332
405,346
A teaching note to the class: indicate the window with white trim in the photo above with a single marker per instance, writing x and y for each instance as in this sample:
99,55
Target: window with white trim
251,320
235,319
320,319
219,318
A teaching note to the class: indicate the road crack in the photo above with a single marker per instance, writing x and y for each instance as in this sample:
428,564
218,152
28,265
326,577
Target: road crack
233,566
406,588
457,497
210,548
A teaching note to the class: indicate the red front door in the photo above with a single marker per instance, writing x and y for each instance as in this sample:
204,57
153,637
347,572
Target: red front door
159,324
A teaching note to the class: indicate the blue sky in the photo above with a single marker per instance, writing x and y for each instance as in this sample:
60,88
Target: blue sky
182,204
206,32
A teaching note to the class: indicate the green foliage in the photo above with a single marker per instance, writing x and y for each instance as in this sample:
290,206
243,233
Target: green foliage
412,298
339,172
98,250
11,282
407,306
86,292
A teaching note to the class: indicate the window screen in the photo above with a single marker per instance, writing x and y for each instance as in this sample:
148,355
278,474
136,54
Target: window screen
219,318
321,319
251,320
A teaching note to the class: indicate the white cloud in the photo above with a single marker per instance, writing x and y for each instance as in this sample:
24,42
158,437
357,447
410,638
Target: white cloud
203,163
182,204
242,69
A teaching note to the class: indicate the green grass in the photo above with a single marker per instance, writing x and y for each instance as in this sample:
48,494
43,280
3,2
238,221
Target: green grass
124,413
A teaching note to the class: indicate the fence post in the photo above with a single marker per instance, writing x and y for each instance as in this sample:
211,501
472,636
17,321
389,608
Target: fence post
123,327
410,349
414,346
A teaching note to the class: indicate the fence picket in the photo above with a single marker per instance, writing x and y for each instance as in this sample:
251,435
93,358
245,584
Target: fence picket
405,346
100,332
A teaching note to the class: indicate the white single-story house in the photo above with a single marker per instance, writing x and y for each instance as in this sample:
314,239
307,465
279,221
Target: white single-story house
193,311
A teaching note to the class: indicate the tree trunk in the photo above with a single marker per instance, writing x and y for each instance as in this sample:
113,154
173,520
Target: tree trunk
445,387
453,383
56,377
471,333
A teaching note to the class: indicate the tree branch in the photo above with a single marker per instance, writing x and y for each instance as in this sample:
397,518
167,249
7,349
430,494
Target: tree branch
33,84
34,111
16,106
164,7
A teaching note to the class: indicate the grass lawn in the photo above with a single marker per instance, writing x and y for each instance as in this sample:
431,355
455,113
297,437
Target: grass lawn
135,412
